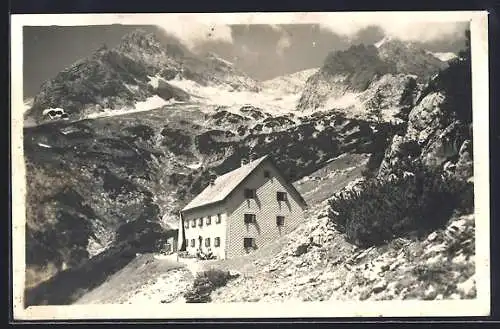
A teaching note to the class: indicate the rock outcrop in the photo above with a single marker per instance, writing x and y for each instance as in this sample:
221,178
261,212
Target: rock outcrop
439,130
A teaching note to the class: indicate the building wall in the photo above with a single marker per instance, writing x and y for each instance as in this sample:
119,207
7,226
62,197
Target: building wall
171,244
211,231
266,207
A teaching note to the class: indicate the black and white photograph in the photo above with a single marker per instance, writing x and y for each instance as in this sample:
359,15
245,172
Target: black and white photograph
250,165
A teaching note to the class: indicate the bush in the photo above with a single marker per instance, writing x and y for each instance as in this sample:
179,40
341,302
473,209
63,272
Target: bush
204,283
416,199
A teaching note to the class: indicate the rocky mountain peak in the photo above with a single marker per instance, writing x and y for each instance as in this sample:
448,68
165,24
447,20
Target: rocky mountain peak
141,39
355,70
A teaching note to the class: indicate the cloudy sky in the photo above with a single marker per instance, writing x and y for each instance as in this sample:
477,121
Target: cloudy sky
262,51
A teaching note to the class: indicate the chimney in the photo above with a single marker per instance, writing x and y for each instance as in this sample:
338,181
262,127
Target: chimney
213,177
251,157
244,161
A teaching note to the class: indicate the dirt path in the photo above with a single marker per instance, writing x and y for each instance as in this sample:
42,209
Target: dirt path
145,279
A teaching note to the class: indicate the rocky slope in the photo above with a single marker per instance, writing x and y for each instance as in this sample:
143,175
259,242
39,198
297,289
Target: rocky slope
351,79
441,266
439,128
127,74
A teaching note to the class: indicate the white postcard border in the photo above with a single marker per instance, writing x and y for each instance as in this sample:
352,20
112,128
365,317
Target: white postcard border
477,307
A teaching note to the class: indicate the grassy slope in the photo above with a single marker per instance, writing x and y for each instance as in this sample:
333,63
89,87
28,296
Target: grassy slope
144,270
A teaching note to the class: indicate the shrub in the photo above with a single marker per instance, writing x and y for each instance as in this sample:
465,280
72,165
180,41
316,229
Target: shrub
414,199
204,283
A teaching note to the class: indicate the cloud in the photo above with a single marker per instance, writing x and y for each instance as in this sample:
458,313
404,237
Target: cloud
399,28
283,43
191,32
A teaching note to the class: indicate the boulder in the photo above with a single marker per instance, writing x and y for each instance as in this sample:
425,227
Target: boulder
379,286
301,249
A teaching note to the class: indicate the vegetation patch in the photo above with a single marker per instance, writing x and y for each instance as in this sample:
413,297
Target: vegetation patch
206,282
415,199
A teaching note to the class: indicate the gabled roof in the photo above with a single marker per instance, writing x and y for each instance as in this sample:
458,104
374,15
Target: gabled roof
226,183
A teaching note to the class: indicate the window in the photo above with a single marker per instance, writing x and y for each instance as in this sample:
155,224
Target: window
186,224
207,242
249,193
186,242
217,242
193,223
200,222
219,218
192,242
249,218
267,174
280,220
281,196
209,220
248,242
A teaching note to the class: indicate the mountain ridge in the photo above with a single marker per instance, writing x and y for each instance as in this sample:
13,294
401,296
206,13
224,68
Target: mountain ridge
119,77
353,70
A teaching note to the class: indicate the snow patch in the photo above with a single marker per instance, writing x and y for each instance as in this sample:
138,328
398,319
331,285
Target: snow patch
288,84
345,101
45,145
154,80
196,165
222,60
320,127
444,56
382,41
132,88
150,103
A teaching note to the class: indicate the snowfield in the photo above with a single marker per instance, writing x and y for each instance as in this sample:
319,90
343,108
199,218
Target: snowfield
151,103
271,101
291,83
347,100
